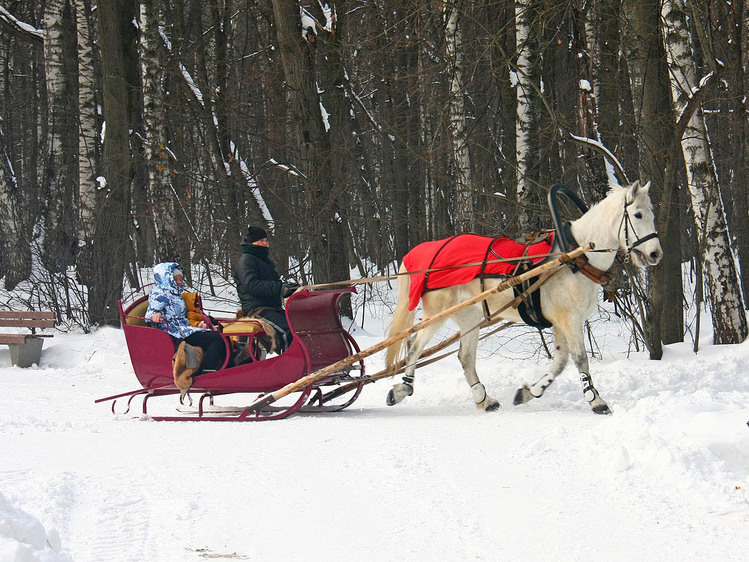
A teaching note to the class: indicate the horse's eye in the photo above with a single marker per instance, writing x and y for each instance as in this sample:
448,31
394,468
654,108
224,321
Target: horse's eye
638,215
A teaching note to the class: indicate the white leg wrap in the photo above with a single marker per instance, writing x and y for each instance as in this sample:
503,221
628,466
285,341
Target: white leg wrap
479,393
541,384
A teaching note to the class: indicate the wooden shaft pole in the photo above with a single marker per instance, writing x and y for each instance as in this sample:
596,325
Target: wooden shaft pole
401,365
338,365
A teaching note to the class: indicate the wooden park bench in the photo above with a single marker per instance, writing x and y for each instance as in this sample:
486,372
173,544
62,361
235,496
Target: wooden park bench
25,348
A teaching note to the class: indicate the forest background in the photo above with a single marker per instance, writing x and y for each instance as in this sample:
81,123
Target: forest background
138,132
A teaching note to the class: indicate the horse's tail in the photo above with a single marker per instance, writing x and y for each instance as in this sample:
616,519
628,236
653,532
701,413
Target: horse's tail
403,319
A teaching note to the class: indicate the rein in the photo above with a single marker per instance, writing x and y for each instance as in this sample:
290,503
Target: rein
564,235
458,266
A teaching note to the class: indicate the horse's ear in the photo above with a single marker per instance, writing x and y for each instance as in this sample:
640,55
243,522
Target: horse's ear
632,192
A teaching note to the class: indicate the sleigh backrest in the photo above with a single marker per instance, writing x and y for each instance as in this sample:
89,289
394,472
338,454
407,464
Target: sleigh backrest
313,317
134,316
150,349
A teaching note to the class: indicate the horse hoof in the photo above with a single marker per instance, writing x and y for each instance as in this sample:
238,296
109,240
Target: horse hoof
602,409
492,405
398,393
522,396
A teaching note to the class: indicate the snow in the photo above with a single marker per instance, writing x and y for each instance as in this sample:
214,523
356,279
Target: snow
11,20
666,477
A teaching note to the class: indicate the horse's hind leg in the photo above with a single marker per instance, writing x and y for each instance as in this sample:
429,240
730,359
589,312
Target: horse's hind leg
526,393
467,355
415,347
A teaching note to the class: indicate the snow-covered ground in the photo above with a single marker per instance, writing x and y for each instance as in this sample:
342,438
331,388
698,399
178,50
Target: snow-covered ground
666,477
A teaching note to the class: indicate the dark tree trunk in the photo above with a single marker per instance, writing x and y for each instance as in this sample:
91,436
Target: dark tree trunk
110,238
324,222
659,163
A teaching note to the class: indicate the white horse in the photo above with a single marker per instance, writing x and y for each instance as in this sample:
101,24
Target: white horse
622,221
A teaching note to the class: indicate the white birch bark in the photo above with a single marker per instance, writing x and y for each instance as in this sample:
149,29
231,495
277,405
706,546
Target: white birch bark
155,141
8,185
55,255
88,138
464,213
524,117
427,140
729,318
9,235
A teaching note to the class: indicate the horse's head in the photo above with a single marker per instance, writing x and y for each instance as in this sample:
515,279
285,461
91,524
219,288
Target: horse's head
637,234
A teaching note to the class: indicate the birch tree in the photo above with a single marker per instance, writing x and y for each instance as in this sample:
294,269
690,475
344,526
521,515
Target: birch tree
157,152
729,318
61,151
464,205
89,149
524,118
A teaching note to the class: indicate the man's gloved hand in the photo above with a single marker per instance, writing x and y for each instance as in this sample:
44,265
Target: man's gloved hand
288,289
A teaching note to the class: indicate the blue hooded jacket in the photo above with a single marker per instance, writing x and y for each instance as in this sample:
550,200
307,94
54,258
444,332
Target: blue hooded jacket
166,298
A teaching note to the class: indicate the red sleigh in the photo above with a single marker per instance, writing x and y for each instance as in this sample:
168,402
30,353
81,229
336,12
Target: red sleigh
319,341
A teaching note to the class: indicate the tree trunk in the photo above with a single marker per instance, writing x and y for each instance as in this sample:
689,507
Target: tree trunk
324,221
525,125
729,319
61,152
110,236
464,204
732,123
158,163
20,132
89,148
647,60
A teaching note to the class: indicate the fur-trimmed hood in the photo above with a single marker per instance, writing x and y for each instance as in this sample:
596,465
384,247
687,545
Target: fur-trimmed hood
163,277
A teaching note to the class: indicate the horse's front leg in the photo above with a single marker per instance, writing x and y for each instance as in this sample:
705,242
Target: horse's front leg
526,393
580,357
467,354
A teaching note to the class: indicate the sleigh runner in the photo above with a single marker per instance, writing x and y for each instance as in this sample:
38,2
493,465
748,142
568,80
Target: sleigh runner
319,340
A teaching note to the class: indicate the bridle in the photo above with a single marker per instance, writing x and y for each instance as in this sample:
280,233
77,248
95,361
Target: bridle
567,241
626,223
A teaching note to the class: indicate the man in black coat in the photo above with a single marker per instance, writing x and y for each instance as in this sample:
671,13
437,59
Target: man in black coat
259,286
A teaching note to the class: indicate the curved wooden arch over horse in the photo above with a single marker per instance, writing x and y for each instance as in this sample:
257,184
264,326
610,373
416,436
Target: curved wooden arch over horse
623,221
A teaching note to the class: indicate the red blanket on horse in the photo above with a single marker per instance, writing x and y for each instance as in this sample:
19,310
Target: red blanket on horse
460,250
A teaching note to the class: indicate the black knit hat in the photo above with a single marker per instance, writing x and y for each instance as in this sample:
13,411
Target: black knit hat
255,233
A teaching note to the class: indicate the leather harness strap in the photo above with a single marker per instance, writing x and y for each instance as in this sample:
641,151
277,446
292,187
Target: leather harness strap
596,275
522,265
582,264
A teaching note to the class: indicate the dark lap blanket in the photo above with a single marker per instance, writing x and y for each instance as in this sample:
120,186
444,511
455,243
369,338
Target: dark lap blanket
464,249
